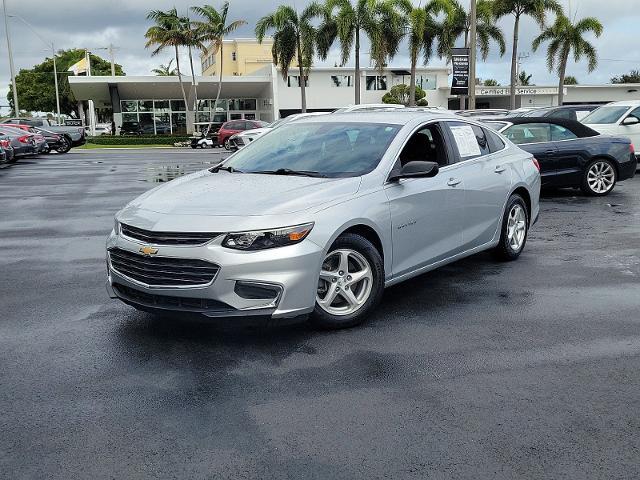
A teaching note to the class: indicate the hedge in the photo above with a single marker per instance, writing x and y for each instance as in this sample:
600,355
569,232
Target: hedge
137,140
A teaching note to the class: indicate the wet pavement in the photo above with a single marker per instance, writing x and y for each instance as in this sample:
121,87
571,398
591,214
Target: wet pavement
528,369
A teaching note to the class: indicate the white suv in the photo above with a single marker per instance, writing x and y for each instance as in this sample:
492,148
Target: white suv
617,118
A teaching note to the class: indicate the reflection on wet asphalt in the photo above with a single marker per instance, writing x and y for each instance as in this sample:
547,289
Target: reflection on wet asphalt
477,370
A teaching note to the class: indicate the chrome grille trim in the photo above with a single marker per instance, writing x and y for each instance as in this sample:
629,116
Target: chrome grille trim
167,238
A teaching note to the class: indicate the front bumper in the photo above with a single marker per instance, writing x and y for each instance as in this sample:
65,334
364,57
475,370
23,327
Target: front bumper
291,272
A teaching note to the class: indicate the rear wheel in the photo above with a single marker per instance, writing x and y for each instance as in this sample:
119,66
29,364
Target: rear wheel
65,145
227,144
515,227
351,283
599,178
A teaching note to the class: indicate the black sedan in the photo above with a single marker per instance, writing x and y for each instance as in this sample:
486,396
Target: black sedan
571,154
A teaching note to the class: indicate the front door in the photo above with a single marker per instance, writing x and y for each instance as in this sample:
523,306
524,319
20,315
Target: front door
631,131
426,213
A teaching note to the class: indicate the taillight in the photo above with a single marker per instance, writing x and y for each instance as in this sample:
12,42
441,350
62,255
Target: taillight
536,163
631,148
4,143
24,139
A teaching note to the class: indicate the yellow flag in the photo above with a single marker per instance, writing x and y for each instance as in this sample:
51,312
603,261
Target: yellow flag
79,67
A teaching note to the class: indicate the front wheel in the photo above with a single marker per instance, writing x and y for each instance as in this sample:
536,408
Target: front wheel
599,178
351,283
65,145
515,227
227,144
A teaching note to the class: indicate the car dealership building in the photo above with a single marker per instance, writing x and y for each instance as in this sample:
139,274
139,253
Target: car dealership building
252,88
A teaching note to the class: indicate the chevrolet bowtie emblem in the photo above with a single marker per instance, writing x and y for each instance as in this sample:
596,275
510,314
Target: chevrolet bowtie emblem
147,250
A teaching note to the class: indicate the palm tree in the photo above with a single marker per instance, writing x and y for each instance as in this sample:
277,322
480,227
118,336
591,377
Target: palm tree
524,79
293,39
564,37
486,28
377,19
192,40
536,9
213,30
165,70
168,32
423,29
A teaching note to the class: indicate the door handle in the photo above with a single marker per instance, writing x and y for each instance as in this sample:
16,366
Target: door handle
499,169
453,182
549,152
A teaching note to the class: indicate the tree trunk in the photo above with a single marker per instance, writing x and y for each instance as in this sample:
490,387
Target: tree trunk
195,86
563,72
412,81
184,94
303,92
215,105
357,79
514,63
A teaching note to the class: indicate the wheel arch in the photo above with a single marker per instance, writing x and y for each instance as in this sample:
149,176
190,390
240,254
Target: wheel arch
526,196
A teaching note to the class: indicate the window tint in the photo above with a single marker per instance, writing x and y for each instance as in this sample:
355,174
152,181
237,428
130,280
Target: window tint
495,142
528,133
426,145
559,132
605,115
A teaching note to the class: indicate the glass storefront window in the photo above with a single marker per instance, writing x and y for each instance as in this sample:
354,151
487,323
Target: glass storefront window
129,117
145,106
129,106
161,104
248,104
179,123
220,118
177,106
221,106
203,105
146,123
203,117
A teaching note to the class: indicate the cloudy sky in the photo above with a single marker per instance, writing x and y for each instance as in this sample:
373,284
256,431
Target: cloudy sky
95,24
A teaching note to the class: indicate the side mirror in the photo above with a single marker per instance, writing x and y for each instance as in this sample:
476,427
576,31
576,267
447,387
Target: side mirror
415,169
631,120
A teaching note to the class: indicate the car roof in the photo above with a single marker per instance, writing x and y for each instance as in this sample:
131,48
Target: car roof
623,103
398,117
576,127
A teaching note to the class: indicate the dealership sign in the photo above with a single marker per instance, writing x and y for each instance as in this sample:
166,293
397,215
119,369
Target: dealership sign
460,64
505,91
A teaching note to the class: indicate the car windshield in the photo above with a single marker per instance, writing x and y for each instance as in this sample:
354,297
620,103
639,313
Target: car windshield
605,115
332,149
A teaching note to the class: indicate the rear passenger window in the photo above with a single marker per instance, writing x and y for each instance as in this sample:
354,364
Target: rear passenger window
495,142
470,141
528,133
559,132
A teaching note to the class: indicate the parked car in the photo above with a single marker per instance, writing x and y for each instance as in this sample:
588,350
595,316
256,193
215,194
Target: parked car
131,128
323,213
570,112
42,146
234,126
571,154
75,135
617,118
6,150
103,129
242,139
57,143
23,143
483,112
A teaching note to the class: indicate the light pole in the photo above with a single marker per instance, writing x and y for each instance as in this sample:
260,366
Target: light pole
472,57
53,54
13,73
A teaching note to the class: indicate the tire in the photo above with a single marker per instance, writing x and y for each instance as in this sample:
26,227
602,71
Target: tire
360,254
599,178
227,144
66,145
511,244
194,146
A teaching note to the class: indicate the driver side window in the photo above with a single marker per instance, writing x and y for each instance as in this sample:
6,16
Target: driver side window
425,145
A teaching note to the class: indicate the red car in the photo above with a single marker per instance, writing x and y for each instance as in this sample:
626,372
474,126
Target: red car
234,126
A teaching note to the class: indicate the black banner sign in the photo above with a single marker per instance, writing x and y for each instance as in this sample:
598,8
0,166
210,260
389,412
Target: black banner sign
460,63
72,122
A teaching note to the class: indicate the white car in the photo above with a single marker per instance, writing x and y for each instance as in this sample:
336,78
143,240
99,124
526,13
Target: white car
242,139
617,118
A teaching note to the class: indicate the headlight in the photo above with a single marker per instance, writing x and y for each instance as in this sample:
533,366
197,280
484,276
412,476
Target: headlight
116,226
262,239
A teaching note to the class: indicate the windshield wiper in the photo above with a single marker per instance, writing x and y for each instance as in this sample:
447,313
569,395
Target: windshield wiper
288,171
219,167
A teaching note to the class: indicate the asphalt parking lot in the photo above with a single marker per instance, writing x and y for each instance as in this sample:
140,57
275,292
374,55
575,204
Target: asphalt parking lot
479,370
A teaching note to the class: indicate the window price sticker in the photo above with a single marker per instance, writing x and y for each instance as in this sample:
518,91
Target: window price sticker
466,141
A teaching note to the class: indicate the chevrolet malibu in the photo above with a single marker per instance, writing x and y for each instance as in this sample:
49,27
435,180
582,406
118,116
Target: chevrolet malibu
322,214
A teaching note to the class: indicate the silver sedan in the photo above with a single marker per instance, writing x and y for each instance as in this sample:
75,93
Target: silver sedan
322,214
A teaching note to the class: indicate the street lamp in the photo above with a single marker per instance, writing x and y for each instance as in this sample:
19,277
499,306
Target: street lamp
53,54
13,73
472,59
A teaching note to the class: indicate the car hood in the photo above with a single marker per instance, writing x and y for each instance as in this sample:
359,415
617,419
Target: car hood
244,194
255,131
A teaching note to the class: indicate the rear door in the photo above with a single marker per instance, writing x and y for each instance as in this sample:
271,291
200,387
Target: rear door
486,174
571,157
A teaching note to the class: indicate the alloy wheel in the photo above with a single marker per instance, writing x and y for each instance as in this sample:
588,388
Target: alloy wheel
601,177
345,283
516,227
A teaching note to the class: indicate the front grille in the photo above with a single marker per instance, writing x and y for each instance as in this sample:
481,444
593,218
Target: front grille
171,303
167,238
162,271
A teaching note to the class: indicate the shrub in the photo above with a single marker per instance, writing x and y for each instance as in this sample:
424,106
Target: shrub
137,140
